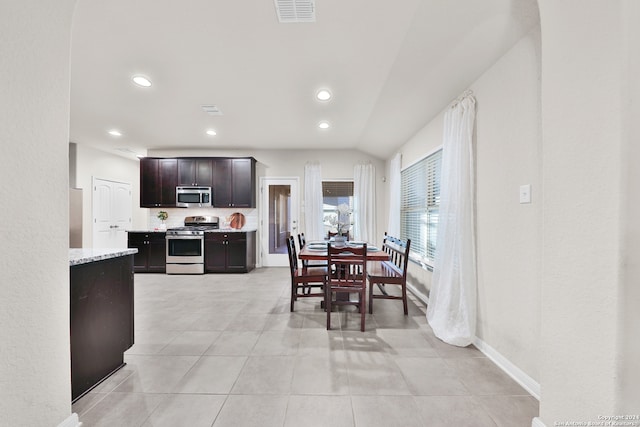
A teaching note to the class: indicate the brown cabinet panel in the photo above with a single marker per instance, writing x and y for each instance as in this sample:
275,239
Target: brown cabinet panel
230,252
168,181
151,256
215,252
234,183
195,172
231,178
101,320
149,182
243,179
158,180
222,183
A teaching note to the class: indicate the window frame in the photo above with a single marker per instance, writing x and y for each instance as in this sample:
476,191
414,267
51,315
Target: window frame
420,251
327,213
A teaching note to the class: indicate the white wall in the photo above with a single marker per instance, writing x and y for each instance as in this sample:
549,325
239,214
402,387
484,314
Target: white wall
584,286
90,163
509,234
35,379
509,245
629,344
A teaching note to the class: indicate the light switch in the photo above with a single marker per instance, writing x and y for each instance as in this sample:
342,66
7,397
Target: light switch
525,193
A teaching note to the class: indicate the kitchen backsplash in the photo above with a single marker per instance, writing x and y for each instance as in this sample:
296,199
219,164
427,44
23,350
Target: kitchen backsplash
177,216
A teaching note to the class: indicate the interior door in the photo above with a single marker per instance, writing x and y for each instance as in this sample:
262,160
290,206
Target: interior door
280,211
111,210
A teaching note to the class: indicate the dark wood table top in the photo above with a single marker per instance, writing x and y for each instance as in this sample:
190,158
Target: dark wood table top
309,253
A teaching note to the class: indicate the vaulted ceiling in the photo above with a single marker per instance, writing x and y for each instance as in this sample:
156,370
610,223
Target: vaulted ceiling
391,66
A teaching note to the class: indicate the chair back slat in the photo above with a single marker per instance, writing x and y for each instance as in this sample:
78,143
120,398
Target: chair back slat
293,255
348,275
348,270
392,272
398,251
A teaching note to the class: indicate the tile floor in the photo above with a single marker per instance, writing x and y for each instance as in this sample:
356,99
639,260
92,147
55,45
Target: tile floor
224,350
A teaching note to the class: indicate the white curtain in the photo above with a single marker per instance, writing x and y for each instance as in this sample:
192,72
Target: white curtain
393,228
364,206
313,224
452,301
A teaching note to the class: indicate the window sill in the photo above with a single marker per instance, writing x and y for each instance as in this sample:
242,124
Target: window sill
423,264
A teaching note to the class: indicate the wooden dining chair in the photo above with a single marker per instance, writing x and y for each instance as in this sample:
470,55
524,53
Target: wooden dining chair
309,263
392,272
349,266
305,281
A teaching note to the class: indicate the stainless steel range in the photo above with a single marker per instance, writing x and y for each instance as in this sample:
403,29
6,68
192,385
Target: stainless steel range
185,245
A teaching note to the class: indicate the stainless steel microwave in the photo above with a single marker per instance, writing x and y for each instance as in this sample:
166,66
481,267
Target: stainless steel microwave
193,197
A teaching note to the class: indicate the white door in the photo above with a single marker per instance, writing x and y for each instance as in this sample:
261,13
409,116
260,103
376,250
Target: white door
280,211
112,209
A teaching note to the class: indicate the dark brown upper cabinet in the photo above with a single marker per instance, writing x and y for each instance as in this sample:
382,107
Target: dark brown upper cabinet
234,182
232,179
195,172
158,181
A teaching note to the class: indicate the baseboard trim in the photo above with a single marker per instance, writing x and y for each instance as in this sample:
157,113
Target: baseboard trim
422,297
509,368
537,422
71,421
502,362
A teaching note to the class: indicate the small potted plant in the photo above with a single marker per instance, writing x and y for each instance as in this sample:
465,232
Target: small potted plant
341,222
163,215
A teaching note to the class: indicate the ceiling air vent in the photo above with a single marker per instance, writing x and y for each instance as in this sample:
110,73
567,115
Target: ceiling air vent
212,110
295,10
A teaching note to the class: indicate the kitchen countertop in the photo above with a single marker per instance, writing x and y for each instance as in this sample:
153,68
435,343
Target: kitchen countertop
232,230
87,255
220,230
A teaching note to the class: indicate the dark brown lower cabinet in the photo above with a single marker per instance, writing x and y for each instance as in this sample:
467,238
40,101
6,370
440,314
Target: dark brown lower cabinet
152,250
101,320
230,252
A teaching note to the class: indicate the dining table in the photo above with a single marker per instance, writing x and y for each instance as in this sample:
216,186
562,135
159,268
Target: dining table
317,251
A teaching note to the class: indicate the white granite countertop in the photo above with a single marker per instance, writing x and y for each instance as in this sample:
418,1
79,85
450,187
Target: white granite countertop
232,230
220,230
87,255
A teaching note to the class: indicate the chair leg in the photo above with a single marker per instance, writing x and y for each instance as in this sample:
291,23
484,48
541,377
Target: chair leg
370,298
293,295
404,299
363,303
327,306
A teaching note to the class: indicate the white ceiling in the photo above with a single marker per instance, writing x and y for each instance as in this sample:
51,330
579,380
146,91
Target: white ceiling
391,66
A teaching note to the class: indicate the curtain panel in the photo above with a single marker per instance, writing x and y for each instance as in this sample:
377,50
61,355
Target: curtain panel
314,227
395,195
364,206
452,301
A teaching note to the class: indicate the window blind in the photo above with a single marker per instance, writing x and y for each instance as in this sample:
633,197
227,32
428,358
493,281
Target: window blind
337,188
420,205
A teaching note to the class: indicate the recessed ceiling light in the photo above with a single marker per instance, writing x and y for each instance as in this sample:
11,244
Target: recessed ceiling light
323,95
114,132
142,81
323,125
211,132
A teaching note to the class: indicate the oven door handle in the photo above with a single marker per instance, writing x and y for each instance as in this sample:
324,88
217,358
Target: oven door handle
185,237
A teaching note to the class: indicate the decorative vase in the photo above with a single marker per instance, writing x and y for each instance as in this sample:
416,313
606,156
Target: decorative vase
339,240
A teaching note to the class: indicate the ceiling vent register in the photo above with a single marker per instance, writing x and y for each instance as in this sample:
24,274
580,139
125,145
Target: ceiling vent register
291,11
212,110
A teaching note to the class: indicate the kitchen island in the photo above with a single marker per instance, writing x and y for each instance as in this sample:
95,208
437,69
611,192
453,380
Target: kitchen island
101,318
